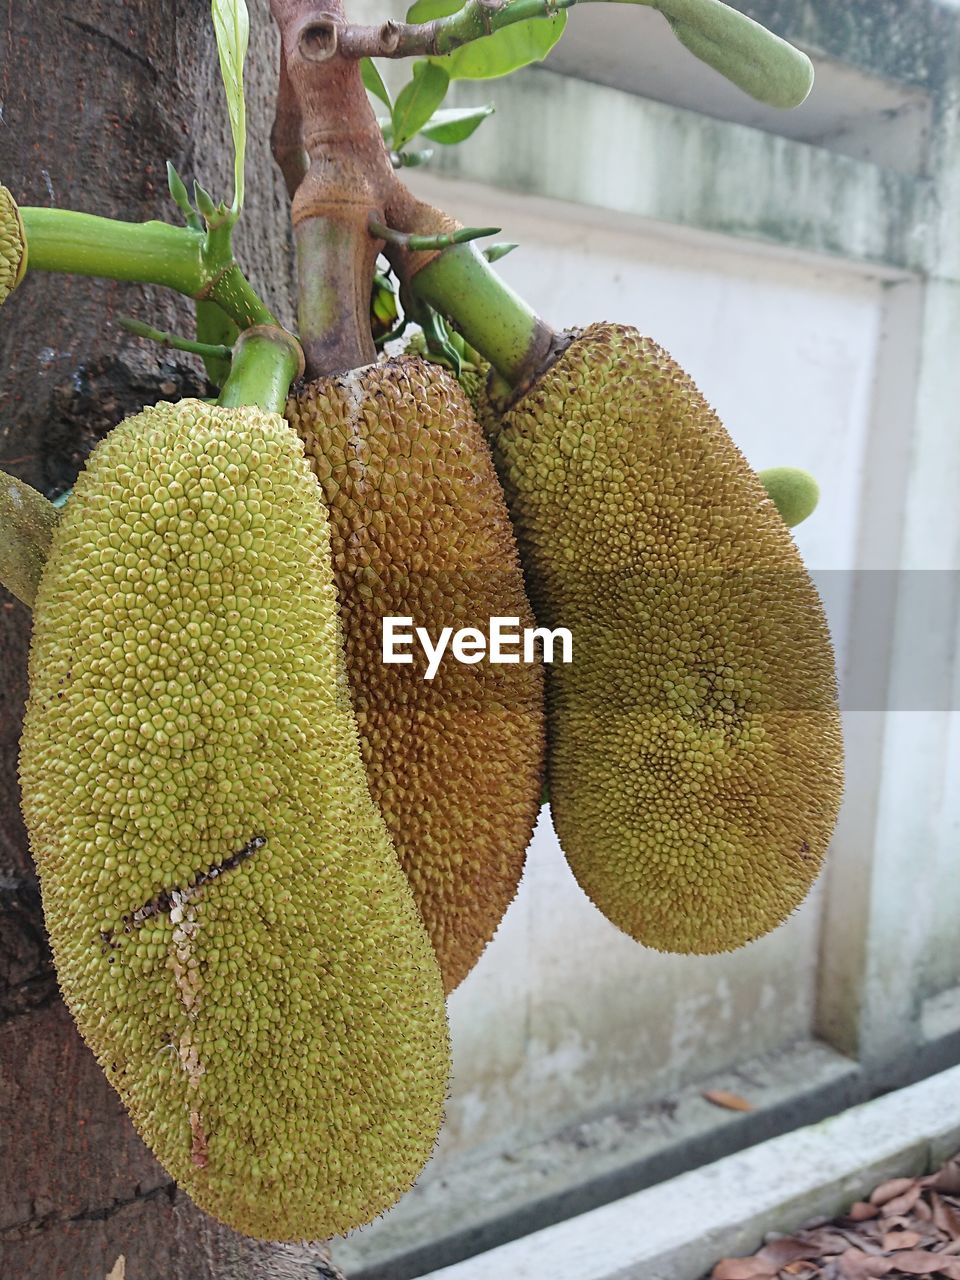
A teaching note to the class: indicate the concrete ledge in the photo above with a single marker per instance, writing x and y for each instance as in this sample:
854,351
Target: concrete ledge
459,1210
686,170
677,1230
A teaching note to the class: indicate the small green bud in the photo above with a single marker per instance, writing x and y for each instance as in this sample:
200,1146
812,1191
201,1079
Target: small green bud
794,493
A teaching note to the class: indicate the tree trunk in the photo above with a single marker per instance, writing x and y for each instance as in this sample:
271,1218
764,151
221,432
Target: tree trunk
94,98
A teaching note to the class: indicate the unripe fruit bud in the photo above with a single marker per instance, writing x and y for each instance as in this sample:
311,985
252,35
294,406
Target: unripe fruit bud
793,492
13,245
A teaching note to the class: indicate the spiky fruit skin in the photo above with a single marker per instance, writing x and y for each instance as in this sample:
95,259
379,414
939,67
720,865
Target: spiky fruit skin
421,530
231,929
472,378
13,245
695,756
27,521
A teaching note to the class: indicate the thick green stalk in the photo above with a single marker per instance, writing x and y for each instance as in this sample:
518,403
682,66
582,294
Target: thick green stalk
461,284
266,360
179,258
84,245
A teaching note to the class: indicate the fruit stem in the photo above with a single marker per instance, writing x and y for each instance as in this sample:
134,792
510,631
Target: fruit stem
441,240
336,259
207,349
461,285
179,258
266,360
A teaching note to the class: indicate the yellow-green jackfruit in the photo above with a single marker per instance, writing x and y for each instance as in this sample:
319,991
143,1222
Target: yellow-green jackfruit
232,931
421,530
13,245
27,522
695,756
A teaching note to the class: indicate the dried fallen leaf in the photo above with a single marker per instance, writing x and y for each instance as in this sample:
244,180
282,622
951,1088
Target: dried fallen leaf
787,1249
925,1263
894,1240
854,1265
743,1269
861,1211
902,1204
890,1190
946,1179
731,1101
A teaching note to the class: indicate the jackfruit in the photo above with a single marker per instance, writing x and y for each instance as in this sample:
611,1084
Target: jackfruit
231,928
421,530
793,492
695,755
13,245
472,376
27,522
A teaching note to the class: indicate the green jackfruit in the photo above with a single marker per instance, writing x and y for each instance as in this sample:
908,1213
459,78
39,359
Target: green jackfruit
793,492
421,530
13,245
231,928
27,522
695,756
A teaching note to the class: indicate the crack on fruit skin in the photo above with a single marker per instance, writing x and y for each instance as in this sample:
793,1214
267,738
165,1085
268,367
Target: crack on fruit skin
168,900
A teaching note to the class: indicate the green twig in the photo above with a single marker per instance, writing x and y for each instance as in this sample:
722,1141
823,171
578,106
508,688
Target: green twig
206,349
425,244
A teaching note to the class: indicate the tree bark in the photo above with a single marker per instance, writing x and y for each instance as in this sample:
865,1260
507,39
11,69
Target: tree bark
94,98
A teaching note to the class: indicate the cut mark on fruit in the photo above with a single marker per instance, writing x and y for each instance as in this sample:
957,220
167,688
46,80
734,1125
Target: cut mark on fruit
167,900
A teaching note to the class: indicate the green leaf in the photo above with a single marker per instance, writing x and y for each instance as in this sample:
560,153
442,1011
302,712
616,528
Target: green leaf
373,81
232,25
204,202
417,101
506,50
215,327
753,58
178,193
494,252
455,124
427,10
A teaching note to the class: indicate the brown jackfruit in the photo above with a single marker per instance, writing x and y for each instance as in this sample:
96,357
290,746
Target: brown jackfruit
421,530
695,756
231,929
13,245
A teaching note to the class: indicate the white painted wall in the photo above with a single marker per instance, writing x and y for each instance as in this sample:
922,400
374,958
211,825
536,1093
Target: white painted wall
565,1016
